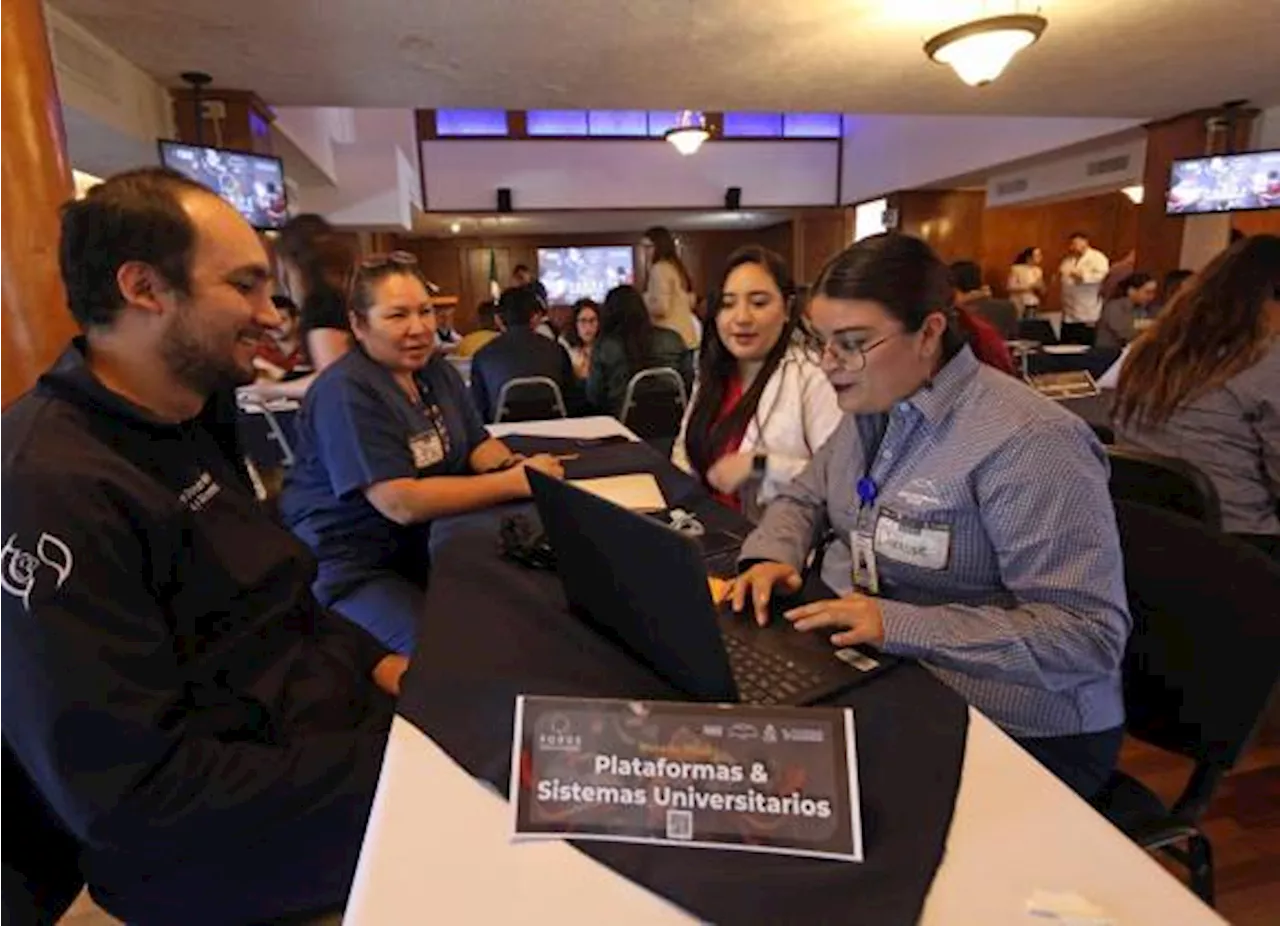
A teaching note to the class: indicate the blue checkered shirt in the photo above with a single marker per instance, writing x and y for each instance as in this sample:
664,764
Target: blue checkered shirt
1027,618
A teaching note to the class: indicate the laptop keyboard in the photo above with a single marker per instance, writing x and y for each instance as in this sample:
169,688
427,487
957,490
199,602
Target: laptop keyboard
764,677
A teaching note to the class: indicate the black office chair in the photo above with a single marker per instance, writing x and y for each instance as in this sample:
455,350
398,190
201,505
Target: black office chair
653,405
1036,329
530,398
1201,663
41,859
1164,482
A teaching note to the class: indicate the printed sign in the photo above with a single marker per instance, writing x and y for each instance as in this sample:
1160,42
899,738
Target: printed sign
757,779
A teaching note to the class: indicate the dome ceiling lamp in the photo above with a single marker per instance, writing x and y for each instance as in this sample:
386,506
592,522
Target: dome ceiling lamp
979,51
689,132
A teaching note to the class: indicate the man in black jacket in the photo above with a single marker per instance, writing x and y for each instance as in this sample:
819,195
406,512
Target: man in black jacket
518,352
209,735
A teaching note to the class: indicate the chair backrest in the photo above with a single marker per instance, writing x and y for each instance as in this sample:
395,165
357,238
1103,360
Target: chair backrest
1164,482
1204,654
653,405
41,859
1036,329
530,398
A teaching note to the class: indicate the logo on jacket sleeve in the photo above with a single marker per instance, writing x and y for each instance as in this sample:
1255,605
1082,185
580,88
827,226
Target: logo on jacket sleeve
20,570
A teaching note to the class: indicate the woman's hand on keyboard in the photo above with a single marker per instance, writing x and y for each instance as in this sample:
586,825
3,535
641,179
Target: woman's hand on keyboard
758,583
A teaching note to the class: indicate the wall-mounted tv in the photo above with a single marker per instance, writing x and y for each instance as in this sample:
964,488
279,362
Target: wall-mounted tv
252,183
570,274
1224,183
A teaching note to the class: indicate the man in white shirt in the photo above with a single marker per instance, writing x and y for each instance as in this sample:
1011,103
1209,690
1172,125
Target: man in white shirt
1082,272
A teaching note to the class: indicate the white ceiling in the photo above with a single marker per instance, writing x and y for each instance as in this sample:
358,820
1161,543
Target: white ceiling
622,221
1098,57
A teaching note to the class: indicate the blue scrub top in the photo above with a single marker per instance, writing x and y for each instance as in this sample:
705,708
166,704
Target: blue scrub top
358,428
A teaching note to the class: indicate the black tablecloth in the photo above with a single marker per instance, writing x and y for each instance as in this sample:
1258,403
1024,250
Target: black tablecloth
493,630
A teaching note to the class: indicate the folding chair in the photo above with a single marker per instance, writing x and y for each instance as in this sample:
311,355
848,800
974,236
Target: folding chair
530,398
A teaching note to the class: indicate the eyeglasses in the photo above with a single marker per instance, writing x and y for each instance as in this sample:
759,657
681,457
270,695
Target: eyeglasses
389,259
376,264
846,350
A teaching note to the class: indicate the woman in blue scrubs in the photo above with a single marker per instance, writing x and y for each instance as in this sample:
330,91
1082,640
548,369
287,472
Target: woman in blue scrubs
388,441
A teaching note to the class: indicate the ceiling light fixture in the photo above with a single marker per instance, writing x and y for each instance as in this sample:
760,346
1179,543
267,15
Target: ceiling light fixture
689,132
1134,193
980,50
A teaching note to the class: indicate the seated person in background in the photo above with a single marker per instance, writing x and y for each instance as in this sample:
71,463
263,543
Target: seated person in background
761,407
971,293
518,352
387,441
1203,385
1173,282
470,343
579,338
280,355
979,510
629,342
206,731
316,260
985,342
1116,324
447,337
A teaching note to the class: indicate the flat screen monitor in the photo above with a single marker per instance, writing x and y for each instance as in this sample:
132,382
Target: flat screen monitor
570,274
252,183
1224,183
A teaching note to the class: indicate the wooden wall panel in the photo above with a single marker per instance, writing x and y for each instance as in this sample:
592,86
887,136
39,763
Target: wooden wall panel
1257,223
949,220
818,234
1110,220
37,181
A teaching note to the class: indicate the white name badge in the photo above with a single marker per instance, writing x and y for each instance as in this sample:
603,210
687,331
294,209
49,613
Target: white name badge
926,546
427,449
865,574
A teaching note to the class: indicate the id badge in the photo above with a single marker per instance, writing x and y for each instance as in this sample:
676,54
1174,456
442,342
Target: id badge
914,543
865,576
427,449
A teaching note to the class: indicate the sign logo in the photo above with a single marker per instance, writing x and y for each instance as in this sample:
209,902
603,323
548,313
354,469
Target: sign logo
197,495
19,570
743,731
802,735
558,736
770,734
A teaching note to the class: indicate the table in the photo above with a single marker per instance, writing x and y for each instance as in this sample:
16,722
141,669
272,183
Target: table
437,842
593,428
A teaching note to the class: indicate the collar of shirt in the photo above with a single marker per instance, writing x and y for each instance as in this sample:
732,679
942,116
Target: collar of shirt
71,379
935,399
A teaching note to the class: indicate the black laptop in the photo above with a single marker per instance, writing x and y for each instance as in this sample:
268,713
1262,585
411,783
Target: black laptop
644,585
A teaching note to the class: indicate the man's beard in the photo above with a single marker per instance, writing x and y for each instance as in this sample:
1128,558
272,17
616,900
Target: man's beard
200,363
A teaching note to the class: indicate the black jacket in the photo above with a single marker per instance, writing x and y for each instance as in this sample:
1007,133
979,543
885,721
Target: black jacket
521,352
169,683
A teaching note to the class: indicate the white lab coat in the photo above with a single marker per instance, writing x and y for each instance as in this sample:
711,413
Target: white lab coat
1082,302
797,413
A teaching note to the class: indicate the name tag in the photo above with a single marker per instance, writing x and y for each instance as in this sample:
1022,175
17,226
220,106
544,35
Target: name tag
427,449
926,546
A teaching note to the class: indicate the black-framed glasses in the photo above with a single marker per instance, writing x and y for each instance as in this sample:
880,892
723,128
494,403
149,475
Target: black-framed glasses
846,350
